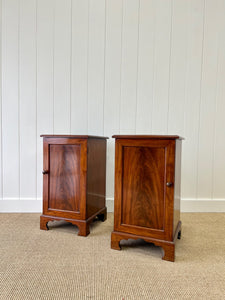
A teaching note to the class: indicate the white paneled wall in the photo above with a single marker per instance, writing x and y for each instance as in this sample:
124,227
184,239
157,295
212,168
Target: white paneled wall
10,99
0,100
27,99
106,67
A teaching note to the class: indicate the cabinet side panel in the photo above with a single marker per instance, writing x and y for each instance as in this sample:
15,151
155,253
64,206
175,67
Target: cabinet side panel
45,177
96,176
64,190
176,213
143,181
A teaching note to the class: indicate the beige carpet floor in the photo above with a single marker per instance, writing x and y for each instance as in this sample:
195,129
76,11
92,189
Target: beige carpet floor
58,264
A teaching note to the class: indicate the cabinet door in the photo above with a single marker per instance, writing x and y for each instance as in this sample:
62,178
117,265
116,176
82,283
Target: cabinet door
144,187
64,191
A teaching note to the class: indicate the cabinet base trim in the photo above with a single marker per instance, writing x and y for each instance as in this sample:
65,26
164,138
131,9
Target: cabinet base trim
83,225
167,246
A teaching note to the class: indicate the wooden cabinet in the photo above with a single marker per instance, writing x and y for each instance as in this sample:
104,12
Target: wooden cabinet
74,174
147,191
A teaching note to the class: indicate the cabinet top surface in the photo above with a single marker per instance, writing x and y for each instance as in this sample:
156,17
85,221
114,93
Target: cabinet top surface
164,137
73,136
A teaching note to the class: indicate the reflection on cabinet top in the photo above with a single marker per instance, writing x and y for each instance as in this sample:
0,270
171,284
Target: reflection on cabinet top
73,136
163,137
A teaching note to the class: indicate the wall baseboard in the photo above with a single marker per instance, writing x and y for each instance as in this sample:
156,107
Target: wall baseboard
24,205
189,205
203,205
34,205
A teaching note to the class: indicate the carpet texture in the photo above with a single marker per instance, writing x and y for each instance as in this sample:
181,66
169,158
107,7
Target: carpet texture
58,264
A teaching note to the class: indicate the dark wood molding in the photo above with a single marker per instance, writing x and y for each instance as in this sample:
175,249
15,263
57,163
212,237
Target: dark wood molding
73,136
157,137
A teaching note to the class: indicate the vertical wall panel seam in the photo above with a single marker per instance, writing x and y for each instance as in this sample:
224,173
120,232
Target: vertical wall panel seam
186,70
1,97
121,61
19,142
214,119
36,2
153,60
3,75
71,53
88,43
137,62
53,69
200,100
169,77
104,79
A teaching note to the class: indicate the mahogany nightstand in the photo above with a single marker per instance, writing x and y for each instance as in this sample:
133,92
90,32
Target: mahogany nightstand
74,175
147,191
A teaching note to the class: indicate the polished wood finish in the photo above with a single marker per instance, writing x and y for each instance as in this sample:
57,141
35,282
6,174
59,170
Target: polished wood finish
177,186
152,137
69,136
73,180
143,175
145,205
96,175
64,189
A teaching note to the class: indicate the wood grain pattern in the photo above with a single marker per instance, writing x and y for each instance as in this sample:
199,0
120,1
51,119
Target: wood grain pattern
147,136
144,191
148,143
83,226
168,247
70,136
73,180
169,190
62,142
143,179
177,186
64,189
96,177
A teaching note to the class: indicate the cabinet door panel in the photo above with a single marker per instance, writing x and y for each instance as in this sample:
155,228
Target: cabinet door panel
64,184
143,181
64,189
143,201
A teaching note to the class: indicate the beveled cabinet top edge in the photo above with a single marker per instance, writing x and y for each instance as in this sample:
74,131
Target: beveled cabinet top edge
165,137
73,136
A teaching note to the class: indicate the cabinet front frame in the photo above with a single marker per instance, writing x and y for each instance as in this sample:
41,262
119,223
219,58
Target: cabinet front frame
81,215
169,146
